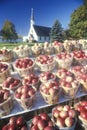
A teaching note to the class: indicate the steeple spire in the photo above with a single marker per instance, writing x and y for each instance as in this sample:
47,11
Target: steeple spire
32,17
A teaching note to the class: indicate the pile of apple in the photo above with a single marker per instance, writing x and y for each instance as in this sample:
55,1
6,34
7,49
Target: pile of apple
3,51
81,109
41,122
64,116
11,83
47,76
78,69
64,59
24,92
82,78
61,73
16,123
69,86
79,54
4,95
25,96
3,67
64,56
50,88
24,63
31,79
44,59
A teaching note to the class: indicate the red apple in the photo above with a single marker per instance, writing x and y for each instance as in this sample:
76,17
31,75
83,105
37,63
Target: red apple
69,121
41,124
72,113
63,114
60,122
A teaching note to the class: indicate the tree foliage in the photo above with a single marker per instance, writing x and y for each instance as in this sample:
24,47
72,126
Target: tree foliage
78,23
56,32
8,31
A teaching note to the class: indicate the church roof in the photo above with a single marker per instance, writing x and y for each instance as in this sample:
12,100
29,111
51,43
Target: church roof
41,30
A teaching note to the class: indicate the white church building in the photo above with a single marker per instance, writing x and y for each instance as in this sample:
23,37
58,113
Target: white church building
36,32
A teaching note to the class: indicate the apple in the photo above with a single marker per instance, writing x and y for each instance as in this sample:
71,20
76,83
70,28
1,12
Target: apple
72,113
63,114
12,120
48,128
34,127
83,114
20,121
66,108
11,127
5,127
41,124
44,116
60,122
36,119
69,121
56,113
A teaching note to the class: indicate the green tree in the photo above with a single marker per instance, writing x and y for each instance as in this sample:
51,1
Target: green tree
56,32
8,31
78,23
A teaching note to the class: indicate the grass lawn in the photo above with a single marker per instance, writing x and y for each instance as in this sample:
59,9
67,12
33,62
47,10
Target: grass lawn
12,45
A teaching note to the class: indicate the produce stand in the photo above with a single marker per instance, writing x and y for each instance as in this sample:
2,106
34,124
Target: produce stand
39,103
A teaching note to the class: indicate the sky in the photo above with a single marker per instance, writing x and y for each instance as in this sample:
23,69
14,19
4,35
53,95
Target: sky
45,13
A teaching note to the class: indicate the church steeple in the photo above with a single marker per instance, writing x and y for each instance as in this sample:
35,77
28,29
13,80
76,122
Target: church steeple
32,21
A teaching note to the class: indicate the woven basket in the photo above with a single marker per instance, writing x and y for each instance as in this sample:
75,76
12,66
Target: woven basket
46,67
6,107
69,92
58,49
50,99
67,128
5,74
25,71
7,57
26,103
14,88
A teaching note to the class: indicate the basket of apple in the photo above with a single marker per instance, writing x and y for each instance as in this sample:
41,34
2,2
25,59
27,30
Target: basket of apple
22,51
16,123
63,72
37,50
81,109
47,77
82,79
64,117
41,121
45,62
4,71
6,55
64,60
31,79
6,102
50,91
25,96
48,48
80,57
58,47
69,86
11,83
77,70
24,66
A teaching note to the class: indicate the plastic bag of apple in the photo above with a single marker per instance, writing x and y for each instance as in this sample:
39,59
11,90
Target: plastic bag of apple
41,121
64,117
24,66
25,96
16,123
81,109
